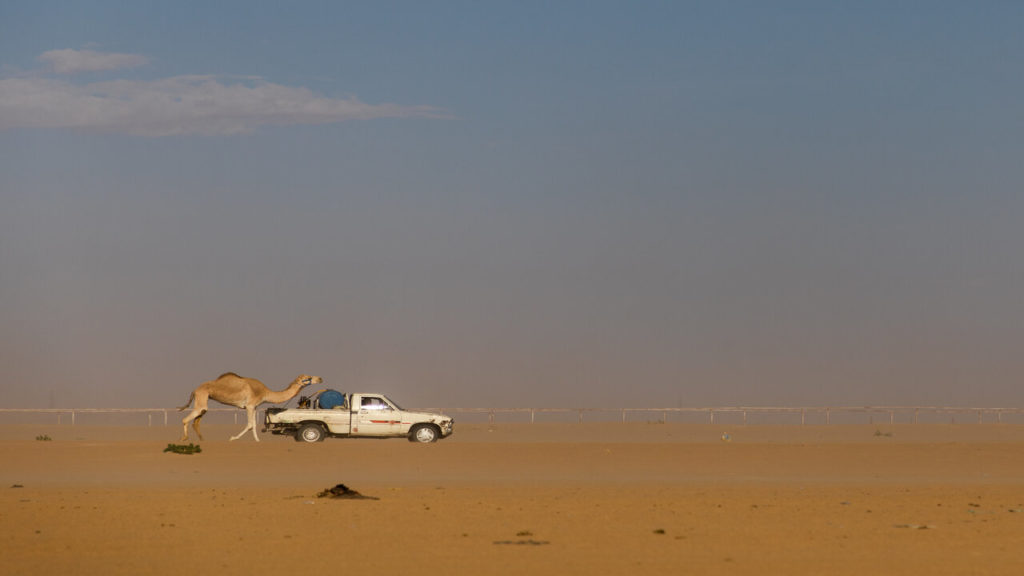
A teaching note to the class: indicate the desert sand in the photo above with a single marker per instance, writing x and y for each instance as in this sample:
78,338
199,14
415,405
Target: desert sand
591,498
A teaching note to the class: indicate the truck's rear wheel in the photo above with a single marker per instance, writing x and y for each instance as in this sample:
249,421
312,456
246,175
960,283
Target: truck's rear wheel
310,432
424,433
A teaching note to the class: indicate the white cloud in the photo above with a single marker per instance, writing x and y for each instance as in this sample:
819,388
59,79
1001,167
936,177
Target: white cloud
207,105
74,61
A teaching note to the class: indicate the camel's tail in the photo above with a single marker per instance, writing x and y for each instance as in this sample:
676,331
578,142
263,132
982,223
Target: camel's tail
189,403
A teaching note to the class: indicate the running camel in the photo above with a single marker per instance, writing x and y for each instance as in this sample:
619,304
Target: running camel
231,389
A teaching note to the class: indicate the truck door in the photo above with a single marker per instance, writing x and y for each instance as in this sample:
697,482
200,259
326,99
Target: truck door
376,417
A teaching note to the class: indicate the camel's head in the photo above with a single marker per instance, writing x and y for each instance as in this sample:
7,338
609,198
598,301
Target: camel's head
306,380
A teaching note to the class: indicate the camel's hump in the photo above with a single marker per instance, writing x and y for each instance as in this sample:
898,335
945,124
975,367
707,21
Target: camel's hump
232,374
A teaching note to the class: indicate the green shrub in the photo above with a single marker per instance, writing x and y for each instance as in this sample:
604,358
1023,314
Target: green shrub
183,449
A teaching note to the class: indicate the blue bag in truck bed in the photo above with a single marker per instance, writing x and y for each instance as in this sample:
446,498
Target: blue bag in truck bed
331,399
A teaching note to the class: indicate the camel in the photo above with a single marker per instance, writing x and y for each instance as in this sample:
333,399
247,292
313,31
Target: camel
231,389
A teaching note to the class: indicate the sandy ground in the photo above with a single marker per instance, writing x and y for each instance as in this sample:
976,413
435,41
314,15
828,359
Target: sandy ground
519,499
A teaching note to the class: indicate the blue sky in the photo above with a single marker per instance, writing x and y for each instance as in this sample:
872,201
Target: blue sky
591,204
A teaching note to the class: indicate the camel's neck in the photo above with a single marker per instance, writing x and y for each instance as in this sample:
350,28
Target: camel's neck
278,396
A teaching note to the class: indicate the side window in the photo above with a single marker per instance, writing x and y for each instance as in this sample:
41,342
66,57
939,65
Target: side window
371,403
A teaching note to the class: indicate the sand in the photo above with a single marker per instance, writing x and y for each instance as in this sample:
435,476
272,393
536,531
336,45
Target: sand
591,498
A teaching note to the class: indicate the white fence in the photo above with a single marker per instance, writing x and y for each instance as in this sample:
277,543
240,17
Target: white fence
710,414
757,414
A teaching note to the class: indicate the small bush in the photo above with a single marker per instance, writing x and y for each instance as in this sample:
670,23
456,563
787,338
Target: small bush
183,449
43,438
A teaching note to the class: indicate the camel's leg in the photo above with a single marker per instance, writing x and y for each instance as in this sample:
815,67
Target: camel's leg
193,417
195,424
250,413
252,423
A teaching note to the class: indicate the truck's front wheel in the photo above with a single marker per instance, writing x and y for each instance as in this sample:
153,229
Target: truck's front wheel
309,432
424,433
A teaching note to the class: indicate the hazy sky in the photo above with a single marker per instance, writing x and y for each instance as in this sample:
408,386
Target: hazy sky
514,204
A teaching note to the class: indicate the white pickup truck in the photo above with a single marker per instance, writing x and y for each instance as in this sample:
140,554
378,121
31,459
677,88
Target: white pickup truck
340,415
